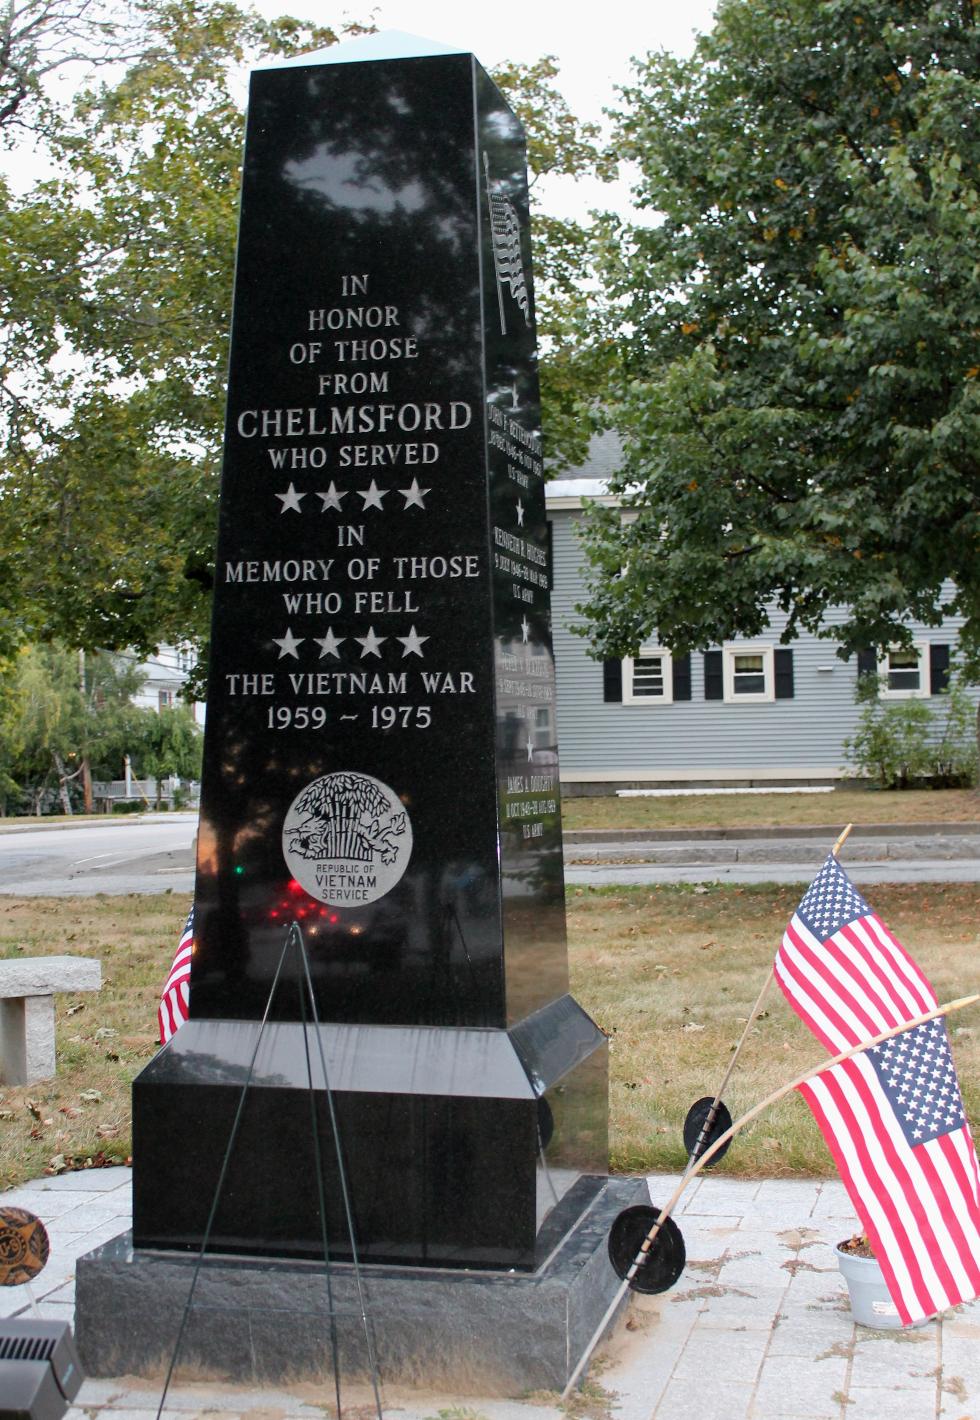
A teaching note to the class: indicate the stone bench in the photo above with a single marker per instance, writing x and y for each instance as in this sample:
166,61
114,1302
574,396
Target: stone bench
27,990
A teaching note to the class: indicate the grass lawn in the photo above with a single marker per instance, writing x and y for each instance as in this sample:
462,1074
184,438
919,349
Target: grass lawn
669,972
840,806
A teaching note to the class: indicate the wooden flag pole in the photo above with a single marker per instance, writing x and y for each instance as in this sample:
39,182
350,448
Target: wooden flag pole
712,1114
695,1169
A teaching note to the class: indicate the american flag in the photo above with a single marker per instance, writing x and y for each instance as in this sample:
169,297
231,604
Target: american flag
892,1116
894,1121
842,971
176,993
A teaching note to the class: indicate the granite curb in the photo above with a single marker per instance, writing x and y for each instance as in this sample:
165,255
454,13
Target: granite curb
827,832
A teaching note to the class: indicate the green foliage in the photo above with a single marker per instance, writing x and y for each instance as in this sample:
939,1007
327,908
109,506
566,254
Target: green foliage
901,744
59,710
799,388
115,296
573,367
115,292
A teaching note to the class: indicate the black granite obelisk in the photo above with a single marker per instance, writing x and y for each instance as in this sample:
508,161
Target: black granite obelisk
380,756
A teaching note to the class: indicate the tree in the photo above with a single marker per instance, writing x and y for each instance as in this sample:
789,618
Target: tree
115,298
116,281
560,145
59,713
170,744
39,38
799,389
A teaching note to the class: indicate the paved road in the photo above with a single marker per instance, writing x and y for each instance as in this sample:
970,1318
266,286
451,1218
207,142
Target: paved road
117,857
156,854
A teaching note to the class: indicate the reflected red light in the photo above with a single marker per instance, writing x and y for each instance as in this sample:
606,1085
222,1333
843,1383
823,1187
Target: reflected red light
294,886
273,913
334,917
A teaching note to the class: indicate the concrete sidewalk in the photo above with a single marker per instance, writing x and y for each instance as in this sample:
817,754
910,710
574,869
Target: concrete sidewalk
757,1328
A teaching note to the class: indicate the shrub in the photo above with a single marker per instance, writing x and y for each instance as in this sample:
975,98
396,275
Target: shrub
901,743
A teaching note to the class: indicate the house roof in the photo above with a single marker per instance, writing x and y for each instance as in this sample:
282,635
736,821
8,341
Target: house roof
591,478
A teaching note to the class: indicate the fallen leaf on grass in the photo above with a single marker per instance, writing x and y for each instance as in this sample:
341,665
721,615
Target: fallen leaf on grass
90,1096
691,1026
69,1112
112,1056
74,1010
104,1032
33,1109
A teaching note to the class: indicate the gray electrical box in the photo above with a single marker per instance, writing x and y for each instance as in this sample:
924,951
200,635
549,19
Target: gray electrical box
40,1373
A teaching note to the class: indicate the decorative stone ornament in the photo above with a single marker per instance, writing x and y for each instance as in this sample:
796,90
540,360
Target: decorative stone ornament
24,1246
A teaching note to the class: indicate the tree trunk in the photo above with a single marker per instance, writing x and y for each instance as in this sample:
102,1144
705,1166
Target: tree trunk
62,785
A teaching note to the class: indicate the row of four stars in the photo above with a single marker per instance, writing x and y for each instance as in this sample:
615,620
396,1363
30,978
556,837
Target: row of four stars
414,497
329,644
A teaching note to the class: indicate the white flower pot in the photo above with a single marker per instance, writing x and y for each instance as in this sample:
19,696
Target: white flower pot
871,1303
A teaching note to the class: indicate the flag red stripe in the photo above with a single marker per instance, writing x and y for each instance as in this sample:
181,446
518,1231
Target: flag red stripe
895,1198
910,1288
955,1213
806,971
896,1192
918,983
834,968
903,1163
892,1006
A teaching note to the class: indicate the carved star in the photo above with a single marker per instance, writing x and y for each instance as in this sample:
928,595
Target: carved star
372,496
331,499
520,513
370,643
413,496
412,643
287,644
328,644
290,500
525,629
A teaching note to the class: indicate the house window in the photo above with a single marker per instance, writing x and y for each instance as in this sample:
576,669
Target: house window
903,673
165,699
748,673
648,677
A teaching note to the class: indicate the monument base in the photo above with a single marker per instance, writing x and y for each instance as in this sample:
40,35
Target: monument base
263,1321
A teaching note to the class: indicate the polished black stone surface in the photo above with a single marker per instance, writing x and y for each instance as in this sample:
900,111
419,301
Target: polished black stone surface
380,755
472,1333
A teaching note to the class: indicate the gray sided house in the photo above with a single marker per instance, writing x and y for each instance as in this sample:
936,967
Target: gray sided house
745,713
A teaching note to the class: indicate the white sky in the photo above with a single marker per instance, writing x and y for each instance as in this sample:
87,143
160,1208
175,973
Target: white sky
593,43
593,47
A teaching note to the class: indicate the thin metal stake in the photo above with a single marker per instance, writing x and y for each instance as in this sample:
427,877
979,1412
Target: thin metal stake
341,1171
221,1180
321,1198
712,1114
712,1149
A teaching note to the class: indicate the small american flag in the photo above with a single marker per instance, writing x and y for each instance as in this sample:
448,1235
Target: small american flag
176,993
894,1121
893,1116
842,971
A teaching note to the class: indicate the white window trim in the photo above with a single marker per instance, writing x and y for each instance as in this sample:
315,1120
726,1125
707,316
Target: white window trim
668,673
728,673
923,692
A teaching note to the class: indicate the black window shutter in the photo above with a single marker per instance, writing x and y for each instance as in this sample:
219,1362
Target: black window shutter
682,677
714,685
868,661
550,564
938,669
783,663
612,681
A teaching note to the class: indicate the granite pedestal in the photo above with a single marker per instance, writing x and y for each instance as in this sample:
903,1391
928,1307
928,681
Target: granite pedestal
256,1320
